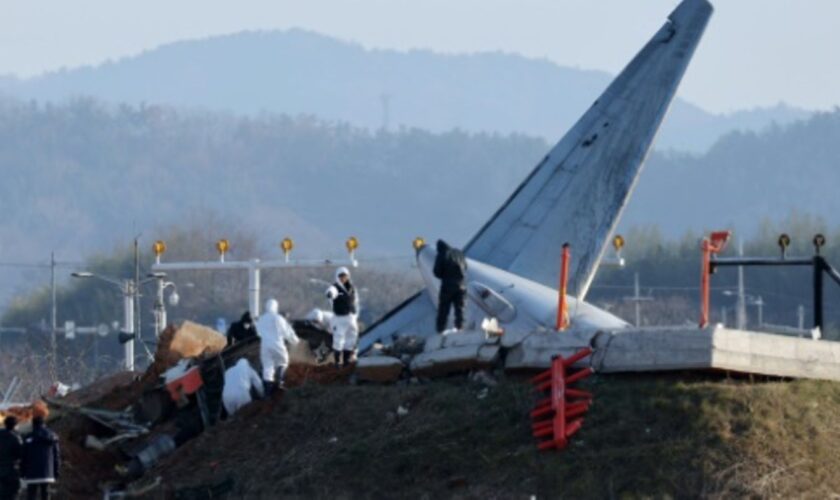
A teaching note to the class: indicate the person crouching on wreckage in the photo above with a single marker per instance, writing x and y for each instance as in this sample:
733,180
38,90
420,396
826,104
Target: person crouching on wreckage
344,324
274,332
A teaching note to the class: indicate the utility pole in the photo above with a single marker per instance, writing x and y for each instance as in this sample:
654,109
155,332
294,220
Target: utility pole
136,293
800,315
637,299
386,110
160,306
129,294
53,321
741,305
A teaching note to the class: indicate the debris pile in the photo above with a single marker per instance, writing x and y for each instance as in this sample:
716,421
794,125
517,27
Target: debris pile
117,433
116,429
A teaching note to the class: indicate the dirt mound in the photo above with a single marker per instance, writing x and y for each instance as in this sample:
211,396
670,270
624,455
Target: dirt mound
86,469
299,374
664,436
100,389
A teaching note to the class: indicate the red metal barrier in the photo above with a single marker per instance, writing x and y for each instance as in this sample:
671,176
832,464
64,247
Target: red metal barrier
559,415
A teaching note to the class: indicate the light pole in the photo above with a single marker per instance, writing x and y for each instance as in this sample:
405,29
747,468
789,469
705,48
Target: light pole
129,290
800,316
636,298
160,306
759,303
745,299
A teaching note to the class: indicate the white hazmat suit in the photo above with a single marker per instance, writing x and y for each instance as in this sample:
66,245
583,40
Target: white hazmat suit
344,327
239,380
274,332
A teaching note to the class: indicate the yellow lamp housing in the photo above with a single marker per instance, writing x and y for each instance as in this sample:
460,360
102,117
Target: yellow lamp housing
159,248
418,243
352,244
618,242
819,240
222,246
287,245
784,241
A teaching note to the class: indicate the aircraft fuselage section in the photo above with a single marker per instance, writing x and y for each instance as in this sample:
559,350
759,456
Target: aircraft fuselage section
520,305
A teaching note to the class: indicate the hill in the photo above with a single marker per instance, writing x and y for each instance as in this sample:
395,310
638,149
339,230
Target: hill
297,72
744,179
677,436
84,176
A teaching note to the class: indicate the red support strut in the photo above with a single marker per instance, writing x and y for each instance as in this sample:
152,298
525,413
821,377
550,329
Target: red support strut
712,245
562,307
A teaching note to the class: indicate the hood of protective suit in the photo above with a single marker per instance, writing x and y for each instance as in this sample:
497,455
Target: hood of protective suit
442,246
272,306
340,271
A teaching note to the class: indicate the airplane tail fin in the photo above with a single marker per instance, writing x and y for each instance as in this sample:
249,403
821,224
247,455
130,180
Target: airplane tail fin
577,192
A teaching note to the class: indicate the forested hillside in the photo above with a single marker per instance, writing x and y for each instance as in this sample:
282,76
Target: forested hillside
85,176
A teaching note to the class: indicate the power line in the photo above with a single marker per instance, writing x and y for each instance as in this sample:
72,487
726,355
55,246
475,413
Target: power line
36,265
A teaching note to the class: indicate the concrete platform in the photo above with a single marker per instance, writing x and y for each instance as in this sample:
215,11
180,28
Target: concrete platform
379,369
685,348
460,352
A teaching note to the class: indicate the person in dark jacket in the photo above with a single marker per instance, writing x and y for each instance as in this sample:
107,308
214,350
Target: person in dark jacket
41,458
241,330
451,269
10,451
344,323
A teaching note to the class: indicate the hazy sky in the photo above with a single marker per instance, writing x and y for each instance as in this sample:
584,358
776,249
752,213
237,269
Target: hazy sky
756,52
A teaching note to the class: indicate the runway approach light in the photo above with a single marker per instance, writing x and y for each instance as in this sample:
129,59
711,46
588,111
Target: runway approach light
819,242
352,244
222,246
618,243
159,248
418,243
784,243
287,245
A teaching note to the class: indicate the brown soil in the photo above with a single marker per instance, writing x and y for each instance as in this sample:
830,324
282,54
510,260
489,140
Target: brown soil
665,436
96,392
84,471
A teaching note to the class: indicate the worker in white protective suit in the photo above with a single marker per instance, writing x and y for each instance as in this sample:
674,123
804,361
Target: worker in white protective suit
344,325
239,380
275,332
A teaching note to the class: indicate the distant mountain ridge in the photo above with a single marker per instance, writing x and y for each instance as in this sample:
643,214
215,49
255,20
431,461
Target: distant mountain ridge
298,72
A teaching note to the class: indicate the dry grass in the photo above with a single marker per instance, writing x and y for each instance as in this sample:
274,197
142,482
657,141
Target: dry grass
646,436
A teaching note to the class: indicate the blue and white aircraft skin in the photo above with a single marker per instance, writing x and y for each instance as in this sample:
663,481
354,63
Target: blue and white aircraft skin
574,195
